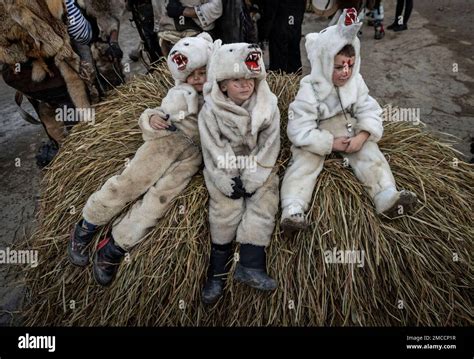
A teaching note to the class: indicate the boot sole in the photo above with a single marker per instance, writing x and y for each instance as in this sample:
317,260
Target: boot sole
406,200
242,279
380,37
289,226
208,302
399,29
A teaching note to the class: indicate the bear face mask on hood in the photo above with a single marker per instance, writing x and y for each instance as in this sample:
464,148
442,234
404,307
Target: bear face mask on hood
234,61
182,100
188,55
322,48
238,60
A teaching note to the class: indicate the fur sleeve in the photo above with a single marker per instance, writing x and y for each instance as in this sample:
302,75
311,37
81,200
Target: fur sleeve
180,102
302,128
148,132
209,12
368,113
265,154
215,150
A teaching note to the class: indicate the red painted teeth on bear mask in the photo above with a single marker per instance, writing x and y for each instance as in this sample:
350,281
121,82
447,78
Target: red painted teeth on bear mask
351,17
252,61
180,60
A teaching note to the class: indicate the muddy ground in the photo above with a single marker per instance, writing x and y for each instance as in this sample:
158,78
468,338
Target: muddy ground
413,69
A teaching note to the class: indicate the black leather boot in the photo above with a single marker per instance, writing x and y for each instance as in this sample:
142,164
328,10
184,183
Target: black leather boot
398,28
219,265
107,260
77,247
251,269
392,25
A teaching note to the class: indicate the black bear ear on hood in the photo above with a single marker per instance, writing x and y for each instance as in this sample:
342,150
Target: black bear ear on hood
322,47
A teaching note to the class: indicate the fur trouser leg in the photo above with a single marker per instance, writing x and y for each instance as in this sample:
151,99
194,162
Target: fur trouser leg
372,170
369,165
151,161
300,178
131,229
258,219
225,213
250,220
305,167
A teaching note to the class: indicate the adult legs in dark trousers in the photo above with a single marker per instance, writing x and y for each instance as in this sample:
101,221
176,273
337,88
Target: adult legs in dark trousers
236,24
283,21
143,16
400,22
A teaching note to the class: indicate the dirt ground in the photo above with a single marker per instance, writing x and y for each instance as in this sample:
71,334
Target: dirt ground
412,69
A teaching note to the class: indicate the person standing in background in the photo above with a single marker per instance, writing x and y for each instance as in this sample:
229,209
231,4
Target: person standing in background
185,18
400,22
79,28
375,16
143,17
282,21
238,21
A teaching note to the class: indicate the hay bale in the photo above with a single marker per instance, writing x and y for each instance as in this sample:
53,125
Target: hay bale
410,276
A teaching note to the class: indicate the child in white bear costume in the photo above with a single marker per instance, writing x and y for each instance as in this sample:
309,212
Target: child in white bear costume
160,170
239,123
333,112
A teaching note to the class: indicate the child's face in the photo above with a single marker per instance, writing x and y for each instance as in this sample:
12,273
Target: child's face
238,90
342,69
197,79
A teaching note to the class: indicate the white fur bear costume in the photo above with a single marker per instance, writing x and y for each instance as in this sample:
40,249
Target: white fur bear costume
163,166
249,131
316,118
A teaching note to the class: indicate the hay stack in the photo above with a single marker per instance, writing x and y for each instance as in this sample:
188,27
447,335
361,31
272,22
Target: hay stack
410,276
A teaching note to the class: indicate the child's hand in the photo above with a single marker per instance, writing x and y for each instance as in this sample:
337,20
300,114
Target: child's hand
354,144
340,144
157,123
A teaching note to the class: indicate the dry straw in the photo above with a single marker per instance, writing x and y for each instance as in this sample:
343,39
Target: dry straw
418,269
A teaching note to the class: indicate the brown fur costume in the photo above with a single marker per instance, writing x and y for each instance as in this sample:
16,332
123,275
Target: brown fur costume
35,30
